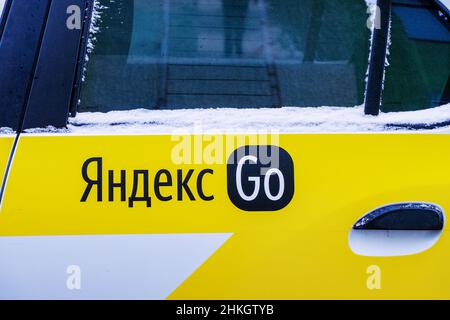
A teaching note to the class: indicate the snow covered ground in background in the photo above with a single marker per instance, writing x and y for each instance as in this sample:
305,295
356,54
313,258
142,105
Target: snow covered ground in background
283,120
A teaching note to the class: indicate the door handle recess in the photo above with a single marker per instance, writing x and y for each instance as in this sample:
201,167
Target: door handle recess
397,229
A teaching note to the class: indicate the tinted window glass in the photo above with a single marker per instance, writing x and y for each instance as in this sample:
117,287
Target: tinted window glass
418,75
169,54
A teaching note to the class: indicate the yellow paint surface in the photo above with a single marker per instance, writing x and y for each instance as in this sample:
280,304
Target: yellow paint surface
300,251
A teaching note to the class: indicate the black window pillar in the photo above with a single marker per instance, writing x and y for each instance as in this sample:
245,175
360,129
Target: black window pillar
377,59
56,71
41,50
22,31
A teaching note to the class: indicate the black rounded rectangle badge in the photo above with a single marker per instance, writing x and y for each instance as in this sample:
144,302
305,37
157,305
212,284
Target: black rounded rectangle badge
260,178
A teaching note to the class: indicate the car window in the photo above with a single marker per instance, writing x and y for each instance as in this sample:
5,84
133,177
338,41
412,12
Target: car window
418,74
170,54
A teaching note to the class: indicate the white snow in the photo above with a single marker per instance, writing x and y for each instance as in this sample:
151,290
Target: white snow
6,131
97,10
283,120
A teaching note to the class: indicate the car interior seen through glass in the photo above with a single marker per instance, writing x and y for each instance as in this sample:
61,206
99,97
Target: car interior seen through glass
173,54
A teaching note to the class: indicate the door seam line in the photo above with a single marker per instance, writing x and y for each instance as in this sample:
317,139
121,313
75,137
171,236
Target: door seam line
8,169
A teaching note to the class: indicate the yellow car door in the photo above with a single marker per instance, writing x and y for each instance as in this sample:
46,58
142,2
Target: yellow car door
182,173
299,251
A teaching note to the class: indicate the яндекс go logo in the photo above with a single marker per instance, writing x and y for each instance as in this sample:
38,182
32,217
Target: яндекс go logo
260,178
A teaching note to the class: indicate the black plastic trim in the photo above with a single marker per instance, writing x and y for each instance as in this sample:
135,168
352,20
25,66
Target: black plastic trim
403,216
19,48
56,70
377,60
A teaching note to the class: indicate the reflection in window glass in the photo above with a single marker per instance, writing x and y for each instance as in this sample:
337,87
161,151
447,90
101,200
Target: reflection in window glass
418,75
169,54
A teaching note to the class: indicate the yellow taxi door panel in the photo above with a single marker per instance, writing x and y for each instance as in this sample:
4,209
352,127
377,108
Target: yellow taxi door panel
161,186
